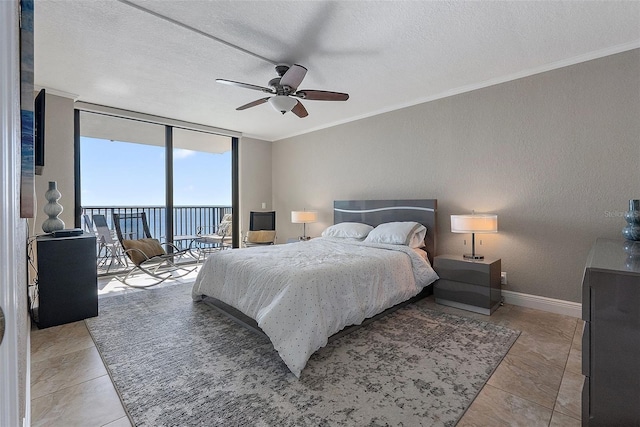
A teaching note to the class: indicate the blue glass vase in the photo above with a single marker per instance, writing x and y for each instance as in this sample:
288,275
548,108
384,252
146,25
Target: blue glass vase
632,229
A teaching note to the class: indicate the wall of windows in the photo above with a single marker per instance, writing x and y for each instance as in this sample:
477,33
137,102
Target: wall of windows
132,165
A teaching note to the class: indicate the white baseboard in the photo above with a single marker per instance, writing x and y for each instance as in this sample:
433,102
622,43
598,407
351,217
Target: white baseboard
568,308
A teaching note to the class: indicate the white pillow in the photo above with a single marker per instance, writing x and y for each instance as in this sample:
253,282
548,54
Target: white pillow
399,233
348,230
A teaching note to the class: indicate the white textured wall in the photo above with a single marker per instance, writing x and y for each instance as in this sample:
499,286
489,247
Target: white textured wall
255,178
555,155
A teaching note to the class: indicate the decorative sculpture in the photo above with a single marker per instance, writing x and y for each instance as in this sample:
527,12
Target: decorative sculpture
52,209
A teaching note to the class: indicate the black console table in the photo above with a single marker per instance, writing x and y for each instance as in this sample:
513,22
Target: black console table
67,280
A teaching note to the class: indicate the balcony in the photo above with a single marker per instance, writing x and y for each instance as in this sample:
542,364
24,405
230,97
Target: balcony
187,220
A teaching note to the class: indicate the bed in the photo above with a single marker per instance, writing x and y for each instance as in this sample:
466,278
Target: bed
300,294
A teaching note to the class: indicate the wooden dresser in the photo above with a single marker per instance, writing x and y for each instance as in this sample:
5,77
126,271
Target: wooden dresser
611,339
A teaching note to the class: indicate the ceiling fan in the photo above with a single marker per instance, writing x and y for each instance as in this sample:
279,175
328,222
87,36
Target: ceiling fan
284,87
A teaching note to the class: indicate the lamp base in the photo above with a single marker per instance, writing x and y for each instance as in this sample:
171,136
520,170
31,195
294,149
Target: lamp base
304,238
473,256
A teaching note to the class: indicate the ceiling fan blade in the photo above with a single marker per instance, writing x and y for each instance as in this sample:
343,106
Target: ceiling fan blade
293,77
253,104
299,110
245,85
321,95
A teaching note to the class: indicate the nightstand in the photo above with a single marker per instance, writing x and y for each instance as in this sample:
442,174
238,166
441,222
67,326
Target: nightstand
472,285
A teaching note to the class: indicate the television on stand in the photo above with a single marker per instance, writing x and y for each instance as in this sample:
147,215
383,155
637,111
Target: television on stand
38,125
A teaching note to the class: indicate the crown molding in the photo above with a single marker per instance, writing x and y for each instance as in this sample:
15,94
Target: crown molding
56,92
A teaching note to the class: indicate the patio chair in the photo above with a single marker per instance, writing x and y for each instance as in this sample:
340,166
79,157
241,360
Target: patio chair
209,240
158,260
88,224
262,229
112,249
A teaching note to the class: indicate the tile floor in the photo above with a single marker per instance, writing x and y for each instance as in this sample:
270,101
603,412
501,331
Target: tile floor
537,384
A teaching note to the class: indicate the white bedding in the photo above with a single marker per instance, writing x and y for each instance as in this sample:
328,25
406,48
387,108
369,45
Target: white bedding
302,293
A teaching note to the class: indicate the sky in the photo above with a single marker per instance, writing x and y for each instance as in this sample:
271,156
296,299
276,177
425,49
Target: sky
117,173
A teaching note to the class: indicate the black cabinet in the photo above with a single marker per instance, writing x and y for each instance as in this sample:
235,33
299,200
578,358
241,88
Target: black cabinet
611,338
67,280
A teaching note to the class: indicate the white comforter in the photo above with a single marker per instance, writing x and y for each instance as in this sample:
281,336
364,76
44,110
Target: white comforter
302,293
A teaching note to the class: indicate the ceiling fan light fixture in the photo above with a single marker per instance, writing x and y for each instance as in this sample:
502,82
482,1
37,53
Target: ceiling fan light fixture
282,103
285,91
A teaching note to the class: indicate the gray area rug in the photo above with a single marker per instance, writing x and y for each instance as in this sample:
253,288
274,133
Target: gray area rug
179,363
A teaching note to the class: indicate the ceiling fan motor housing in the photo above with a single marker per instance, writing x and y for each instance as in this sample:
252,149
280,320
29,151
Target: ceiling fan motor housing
278,88
281,69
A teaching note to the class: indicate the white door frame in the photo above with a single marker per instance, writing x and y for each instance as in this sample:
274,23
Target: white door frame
10,280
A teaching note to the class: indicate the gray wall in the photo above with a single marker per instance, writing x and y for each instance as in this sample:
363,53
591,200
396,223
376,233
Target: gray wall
58,161
255,178
555,155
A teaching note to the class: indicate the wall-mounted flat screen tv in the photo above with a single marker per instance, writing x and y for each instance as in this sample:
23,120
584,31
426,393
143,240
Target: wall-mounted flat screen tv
38,124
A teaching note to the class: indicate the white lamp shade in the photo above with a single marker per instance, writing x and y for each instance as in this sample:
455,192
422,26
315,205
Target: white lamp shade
282,103
476,223
304,217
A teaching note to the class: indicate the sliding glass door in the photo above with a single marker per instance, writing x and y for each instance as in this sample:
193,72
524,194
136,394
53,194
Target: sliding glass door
182,179
202,177
122,162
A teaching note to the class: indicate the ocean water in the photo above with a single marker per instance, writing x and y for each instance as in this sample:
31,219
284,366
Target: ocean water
187,220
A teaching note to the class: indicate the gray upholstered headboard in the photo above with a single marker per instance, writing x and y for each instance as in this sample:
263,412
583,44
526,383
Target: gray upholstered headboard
374,212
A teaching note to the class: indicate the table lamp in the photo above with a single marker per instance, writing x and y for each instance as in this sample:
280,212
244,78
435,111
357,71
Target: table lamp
304,218
474,223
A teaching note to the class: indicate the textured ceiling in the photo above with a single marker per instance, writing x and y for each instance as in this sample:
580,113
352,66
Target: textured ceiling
386,55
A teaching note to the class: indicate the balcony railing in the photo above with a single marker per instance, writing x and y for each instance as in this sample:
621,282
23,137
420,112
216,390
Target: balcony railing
187,220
